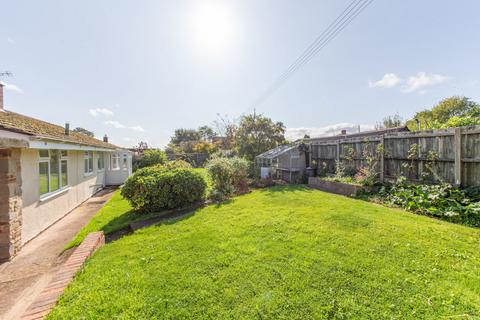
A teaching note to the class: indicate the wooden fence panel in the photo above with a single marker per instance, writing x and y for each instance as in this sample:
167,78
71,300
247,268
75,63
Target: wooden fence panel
447,155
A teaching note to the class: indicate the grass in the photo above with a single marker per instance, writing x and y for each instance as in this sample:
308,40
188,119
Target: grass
284,253
117,214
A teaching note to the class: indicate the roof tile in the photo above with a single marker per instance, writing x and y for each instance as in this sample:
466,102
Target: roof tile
15,122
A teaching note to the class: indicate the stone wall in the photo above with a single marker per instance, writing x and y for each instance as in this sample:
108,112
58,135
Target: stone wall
10,203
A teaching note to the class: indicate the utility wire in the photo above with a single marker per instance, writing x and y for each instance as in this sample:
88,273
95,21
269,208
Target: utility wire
340,23
321,37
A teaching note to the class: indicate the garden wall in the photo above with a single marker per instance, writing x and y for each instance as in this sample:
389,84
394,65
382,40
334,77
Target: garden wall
450,155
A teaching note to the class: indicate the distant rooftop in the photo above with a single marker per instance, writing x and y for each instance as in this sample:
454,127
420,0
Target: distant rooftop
359,134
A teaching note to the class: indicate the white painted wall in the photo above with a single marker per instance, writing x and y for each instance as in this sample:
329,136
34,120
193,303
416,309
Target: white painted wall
39,215
115,177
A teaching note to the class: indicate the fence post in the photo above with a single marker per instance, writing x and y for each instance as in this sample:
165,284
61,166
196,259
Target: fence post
458,156
382,158
338,151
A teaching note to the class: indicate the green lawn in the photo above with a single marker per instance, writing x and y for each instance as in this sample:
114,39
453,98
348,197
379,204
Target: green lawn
284,253
117,214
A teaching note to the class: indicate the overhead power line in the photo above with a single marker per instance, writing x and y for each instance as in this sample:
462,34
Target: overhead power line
341,22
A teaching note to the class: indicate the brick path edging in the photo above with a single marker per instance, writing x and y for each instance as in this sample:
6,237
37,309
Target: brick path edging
48,298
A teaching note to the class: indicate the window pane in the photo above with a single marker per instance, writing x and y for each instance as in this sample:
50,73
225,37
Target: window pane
90,163
115,162
85,164
54,171
64,153
43,169
64,173
100,162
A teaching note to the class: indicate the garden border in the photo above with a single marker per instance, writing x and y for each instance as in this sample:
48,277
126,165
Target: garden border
341,188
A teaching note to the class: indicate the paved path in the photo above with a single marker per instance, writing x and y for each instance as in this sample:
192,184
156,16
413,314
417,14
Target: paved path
23,278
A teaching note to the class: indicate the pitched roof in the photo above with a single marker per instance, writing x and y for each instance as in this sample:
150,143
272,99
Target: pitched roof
15,122
275,152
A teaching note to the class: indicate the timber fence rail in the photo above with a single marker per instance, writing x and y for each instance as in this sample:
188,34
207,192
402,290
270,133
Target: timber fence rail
447,155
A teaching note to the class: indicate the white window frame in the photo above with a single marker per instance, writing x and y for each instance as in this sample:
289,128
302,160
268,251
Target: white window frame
112,162
47,160
124,161
100,155
87,169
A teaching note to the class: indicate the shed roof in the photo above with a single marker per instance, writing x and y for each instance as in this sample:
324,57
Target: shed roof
275,152
19,123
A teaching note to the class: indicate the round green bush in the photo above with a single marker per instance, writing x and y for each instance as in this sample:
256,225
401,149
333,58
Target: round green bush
150,158
156,188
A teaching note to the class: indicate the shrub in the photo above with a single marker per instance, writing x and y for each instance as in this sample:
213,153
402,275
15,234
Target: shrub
156,188
443,201
177,164
229,176
150,158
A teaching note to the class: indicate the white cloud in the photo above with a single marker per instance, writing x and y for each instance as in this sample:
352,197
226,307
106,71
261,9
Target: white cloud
11,87
115,124
421,80
10,40
100,111
137,129
389,80
331,130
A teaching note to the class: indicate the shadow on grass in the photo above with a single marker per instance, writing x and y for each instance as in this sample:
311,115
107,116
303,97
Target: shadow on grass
287,189
131,221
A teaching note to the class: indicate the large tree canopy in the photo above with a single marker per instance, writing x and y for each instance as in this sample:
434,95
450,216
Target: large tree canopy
450,112
257,134
185,135
192,140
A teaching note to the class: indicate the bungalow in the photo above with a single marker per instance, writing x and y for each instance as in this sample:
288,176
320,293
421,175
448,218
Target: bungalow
47,170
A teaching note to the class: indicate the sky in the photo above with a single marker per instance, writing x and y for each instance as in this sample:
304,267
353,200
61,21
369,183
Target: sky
137,70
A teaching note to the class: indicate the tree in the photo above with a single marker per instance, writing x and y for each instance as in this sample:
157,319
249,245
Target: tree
206,133
390,122
83,131
205,147
185,135
227,129
257,134
141,147
462,109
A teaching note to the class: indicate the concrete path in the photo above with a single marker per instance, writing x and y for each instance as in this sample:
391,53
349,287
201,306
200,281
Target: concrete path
23,278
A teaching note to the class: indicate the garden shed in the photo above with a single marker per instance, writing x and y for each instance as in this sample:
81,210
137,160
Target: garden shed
286,162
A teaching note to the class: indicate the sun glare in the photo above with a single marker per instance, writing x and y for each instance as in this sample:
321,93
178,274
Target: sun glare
212,26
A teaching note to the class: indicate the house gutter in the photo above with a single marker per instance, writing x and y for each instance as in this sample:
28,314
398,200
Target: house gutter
39,142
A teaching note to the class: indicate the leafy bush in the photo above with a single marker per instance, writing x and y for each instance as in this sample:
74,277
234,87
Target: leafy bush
229,176
442,201
343,170
177,164
156,188
150,158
